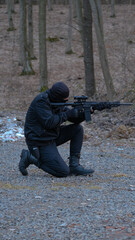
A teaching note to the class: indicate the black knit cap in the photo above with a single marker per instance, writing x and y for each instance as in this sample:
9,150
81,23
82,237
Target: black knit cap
58,92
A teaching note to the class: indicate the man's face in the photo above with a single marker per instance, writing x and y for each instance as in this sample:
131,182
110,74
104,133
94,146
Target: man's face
65,99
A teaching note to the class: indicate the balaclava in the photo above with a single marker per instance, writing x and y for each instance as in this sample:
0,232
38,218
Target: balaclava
58,92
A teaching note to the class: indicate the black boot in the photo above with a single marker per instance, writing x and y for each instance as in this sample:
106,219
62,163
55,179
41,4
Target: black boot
25,161
76,168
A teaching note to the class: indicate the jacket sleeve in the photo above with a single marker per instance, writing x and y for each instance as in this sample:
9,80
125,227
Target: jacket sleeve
46,117
79,119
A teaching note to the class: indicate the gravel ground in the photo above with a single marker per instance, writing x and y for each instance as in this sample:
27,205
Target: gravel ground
40,206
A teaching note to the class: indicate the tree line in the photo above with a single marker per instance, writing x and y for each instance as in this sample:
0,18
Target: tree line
67,1
88,13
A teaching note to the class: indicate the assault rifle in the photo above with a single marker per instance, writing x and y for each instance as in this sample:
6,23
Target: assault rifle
82,105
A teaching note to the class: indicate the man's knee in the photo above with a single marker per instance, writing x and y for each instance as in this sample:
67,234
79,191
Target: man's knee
62,169
54,165
78,128
65,172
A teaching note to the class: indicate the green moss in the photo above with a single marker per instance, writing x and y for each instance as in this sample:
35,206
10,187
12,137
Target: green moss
113,16
52,39
33,58
13,11
81,56
130,41
44,88
69,52
23,73
11,29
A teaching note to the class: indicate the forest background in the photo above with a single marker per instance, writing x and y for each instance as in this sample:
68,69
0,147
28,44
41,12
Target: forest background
17,91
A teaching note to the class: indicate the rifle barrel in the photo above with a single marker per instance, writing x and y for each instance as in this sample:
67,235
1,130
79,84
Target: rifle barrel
126,104
92,103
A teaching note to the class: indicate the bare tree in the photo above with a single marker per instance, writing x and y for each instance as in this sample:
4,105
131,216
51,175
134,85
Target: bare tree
30,30
10,19
113,8
98,22
79,16
88,49
42,46
49,2
12,5
24,53
74,8
69,48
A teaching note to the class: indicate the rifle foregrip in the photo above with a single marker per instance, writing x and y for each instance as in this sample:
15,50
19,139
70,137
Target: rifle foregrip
87,115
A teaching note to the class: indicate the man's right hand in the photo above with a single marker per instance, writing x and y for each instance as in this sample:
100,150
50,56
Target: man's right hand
72,113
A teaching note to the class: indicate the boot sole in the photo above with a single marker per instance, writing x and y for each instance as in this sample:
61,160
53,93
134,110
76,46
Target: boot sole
79,174
86,174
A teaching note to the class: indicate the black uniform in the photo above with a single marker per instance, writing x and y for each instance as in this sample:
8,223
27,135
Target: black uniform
43,130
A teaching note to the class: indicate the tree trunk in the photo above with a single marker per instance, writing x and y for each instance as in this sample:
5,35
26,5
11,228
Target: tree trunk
74,8
88,49
42,46
24,54
79,17
49,2
69,48
97,17
30,30
112,8
10,19
22,30
12,4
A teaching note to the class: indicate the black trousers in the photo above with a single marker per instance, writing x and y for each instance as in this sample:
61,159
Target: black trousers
50,159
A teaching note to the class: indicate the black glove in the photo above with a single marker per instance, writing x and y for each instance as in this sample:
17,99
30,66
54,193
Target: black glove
72,113
101,106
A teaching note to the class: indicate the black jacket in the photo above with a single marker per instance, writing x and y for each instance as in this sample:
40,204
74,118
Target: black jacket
43,122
